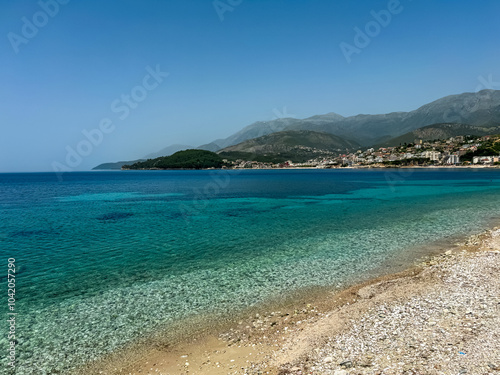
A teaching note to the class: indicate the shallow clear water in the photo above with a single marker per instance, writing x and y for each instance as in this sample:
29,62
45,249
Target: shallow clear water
104,257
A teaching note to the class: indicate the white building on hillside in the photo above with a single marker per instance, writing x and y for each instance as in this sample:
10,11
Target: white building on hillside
452,159
433,155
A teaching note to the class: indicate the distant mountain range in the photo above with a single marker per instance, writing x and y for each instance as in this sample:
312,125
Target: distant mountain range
480,111
115,165
260,128
481,108
169,150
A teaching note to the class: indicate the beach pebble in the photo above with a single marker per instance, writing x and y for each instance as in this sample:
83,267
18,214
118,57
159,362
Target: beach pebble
346,364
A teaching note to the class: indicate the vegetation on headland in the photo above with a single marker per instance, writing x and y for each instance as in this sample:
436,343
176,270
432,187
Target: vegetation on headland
187,159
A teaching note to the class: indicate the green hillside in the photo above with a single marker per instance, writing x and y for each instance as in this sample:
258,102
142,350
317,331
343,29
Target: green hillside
286,140
188,159
488,148
439,131
294,145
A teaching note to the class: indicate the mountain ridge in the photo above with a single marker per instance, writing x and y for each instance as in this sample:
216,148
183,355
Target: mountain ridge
287,139
440,131
293,145
480,108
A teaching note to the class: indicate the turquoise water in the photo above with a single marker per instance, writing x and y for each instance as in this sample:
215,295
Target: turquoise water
105,257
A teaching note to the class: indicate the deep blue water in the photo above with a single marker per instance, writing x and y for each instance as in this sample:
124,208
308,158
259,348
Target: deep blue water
104,257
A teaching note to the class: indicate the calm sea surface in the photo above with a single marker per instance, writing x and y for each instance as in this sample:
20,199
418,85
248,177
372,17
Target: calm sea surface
105,257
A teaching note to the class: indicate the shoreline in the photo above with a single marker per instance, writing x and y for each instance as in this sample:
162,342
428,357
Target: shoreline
260,340
377,167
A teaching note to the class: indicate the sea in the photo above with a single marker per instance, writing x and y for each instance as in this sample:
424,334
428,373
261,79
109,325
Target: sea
103,259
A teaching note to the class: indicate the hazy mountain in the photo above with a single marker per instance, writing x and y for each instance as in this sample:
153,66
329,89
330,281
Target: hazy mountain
169,150
481,108
257,129
440,131
115,165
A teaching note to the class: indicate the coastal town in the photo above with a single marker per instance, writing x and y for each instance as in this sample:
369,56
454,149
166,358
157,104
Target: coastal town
454,151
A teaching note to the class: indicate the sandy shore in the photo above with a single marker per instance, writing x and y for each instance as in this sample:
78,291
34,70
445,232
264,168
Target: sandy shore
440,317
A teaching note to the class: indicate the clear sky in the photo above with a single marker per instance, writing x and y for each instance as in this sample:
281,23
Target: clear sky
230,63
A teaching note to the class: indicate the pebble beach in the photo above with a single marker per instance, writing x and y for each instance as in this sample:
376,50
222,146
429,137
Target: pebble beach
440,317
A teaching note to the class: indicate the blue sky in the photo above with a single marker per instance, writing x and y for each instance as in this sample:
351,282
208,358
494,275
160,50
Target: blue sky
263,56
